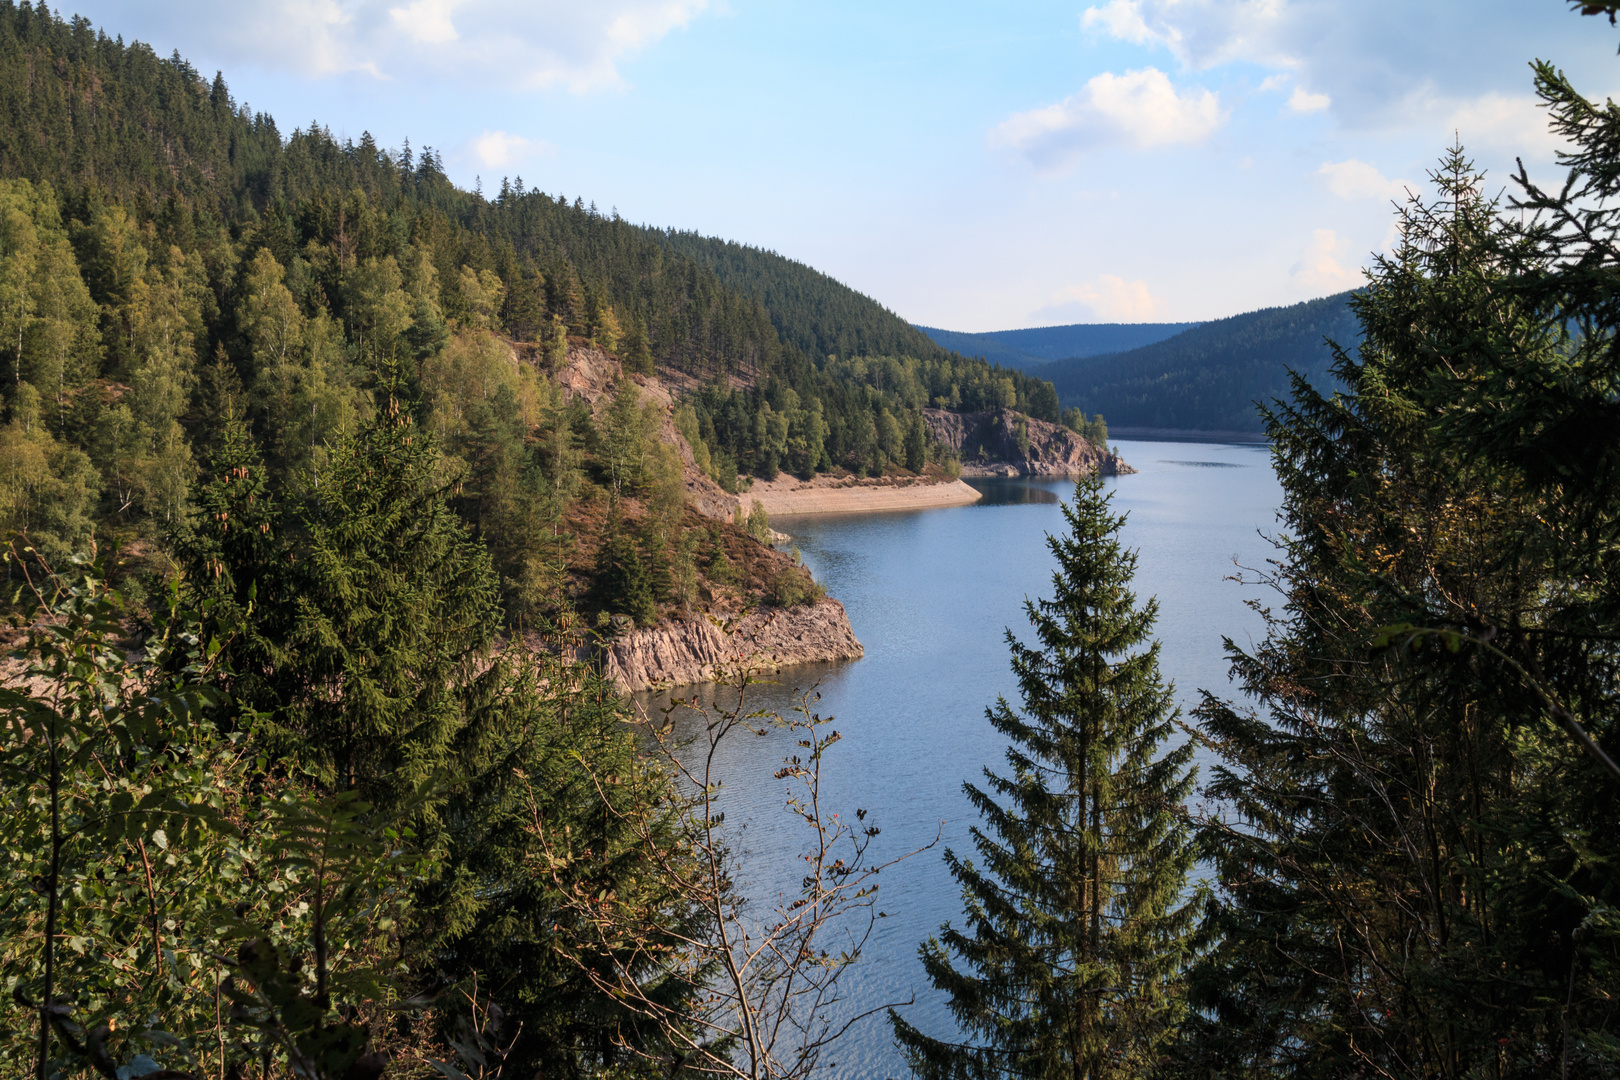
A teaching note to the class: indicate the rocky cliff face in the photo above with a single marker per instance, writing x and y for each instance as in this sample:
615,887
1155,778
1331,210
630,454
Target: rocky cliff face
592,374
686,651
1007,443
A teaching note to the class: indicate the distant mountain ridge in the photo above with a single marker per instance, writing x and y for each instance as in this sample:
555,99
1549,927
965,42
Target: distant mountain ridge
1209,378
1039,345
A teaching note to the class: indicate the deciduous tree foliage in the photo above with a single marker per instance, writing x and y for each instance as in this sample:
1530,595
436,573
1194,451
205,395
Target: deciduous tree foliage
158,882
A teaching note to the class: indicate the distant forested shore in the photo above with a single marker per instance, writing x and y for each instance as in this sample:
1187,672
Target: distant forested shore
1186,377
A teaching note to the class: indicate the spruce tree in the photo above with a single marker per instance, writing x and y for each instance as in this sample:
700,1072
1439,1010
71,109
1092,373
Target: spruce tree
1077,931
637,351
387,596
1417,850
623,586
357,619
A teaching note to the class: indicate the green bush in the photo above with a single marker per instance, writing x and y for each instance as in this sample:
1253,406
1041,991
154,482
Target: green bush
793,586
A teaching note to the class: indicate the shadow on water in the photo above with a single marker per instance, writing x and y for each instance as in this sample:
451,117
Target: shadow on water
753,799
1013,492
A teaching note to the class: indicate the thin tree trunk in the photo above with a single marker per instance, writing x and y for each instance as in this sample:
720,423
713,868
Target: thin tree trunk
42,1070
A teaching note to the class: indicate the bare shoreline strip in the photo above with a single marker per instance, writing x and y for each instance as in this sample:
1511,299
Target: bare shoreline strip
797,498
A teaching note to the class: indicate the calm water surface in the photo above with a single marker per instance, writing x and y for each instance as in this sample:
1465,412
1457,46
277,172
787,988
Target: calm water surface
930,594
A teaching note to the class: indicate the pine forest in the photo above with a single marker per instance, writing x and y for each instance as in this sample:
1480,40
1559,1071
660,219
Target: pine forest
347,513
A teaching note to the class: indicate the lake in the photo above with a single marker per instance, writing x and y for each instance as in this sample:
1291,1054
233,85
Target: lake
929,594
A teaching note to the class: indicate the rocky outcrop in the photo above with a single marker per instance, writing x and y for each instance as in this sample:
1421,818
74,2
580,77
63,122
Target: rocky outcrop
1008,443
592,374
686,651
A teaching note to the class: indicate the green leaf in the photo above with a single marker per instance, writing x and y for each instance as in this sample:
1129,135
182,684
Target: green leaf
1385,635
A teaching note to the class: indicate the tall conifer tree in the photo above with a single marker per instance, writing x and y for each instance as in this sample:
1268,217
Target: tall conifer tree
371,584
1416,859
1076,931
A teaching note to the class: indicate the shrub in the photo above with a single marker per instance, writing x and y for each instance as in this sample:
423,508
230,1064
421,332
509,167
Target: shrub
757,523
793,586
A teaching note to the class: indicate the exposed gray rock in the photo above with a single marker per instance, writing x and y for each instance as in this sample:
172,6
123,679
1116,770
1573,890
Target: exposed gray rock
1007,443
592,374
687,651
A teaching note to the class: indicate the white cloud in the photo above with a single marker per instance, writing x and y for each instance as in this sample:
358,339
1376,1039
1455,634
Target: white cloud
1140,109
1121,19
500,149
1199,33
1302,101
1354,179
485,44
1381,63
1320,267
1515,124
312,31
1109,298
427,22
643,24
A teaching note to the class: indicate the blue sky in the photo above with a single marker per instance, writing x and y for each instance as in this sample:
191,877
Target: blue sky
975,166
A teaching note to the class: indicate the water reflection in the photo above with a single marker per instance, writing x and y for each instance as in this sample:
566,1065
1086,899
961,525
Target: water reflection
1012,492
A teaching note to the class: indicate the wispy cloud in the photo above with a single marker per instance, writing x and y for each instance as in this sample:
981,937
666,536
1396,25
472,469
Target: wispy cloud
1199,33
1139,109
1379,64
1354,179
427,22
1514,123
474,44
1122,19
500,150
1108,298
1322,267
1302,101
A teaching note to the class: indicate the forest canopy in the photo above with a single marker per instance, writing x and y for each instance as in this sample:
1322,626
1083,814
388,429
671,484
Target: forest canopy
173,258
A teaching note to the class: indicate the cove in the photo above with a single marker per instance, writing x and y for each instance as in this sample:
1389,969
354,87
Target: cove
930,594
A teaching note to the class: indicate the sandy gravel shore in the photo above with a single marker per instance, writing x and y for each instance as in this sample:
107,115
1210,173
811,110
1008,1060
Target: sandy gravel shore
790,495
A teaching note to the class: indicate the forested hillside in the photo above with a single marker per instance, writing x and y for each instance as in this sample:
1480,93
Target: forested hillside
1209,377
289,470
871,376
811,310
1038,345
173,260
